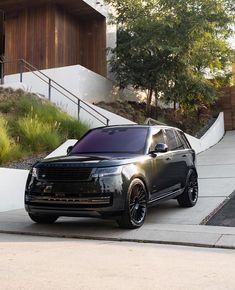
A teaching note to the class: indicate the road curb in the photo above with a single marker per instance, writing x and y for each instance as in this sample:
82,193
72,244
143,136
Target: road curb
130,240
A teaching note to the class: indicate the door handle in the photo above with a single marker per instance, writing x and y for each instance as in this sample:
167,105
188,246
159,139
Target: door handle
184,155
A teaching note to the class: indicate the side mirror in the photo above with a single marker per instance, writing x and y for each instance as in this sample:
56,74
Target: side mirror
70,148
161,148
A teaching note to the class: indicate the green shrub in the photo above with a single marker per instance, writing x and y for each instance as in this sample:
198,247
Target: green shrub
6,106
8,149
49,113
73,129
38,136
45,111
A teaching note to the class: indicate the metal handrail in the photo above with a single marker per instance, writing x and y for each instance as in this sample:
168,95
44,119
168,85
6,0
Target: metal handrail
24,65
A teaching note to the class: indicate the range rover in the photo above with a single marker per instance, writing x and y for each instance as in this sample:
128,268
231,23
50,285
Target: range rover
114,172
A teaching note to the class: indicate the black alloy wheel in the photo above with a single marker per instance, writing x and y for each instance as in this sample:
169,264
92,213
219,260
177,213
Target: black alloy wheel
136,206
43,219
190,195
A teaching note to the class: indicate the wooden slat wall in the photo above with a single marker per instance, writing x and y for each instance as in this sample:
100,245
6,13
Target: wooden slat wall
48,37
227,101
93,45
29,34
66,39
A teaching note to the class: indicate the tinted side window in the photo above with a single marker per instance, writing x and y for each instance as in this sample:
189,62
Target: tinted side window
184,140
157,137
171,140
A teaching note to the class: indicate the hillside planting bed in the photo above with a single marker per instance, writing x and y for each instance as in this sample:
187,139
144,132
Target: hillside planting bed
31,126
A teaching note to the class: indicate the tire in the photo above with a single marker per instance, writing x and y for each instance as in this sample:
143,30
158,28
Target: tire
135,206
43,219
190,195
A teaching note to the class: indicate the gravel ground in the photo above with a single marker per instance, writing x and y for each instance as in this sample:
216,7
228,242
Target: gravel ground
25,163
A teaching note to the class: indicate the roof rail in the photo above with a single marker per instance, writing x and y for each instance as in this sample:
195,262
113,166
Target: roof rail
152,122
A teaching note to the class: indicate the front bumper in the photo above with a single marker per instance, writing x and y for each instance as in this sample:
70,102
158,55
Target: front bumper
98,197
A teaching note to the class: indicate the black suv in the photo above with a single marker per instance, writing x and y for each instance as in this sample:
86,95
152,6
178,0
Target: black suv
116,172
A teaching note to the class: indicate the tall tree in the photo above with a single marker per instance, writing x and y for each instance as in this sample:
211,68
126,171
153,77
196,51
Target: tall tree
173,47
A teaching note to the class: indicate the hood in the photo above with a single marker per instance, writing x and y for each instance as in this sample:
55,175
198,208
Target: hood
91,160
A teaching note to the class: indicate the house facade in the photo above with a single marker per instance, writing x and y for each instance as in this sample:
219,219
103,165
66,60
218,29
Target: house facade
54,33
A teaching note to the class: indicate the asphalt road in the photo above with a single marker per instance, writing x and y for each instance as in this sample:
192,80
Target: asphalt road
49,263
226,215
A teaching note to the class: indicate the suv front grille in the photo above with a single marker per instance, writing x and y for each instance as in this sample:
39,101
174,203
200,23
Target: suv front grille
63,174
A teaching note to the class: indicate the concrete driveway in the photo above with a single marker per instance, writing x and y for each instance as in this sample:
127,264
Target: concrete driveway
166,223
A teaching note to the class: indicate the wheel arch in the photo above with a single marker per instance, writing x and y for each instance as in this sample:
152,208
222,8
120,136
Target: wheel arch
141,178
191,169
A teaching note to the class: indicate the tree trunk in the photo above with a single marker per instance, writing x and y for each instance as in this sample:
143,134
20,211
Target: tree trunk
198,114
156,104
149,101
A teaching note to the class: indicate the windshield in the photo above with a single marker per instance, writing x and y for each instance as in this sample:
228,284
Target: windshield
113,140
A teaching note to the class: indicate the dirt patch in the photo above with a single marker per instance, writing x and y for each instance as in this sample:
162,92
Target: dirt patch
129,110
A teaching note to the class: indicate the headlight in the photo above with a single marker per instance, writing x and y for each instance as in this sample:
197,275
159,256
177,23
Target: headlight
34,172
107,171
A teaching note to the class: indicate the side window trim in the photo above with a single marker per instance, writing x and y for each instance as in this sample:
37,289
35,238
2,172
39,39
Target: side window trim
184,139
180,143
167,132
176,139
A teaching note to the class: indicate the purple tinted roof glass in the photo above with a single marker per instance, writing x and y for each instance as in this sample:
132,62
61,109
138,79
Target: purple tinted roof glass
111,140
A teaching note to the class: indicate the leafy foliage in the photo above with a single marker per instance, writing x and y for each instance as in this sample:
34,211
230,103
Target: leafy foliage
173,48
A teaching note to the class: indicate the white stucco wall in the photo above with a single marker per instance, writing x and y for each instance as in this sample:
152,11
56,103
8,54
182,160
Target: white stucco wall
82,82
111,43
98,5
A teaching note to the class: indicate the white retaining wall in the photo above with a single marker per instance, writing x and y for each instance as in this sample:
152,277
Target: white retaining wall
210,138
12,185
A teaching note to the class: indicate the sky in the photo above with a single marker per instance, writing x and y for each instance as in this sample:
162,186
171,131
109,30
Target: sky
232,39
232,42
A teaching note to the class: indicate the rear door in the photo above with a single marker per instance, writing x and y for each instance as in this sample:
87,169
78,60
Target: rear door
188,156
178,167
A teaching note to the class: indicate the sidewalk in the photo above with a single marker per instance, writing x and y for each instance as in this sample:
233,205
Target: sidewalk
166,223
